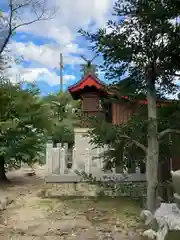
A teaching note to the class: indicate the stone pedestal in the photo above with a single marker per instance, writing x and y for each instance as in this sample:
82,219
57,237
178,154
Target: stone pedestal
167,216
81,139
81,145
84,151
168,219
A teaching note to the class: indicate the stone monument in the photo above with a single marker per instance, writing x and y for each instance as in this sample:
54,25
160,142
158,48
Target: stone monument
167,216
176,186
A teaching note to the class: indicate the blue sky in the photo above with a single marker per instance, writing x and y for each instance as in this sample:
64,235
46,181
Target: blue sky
40,44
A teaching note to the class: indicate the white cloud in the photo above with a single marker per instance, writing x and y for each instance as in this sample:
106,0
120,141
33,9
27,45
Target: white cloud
63,31
32,74
67,77
71,16
48,54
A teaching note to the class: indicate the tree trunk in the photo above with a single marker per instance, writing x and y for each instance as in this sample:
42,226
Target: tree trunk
153,147
3,177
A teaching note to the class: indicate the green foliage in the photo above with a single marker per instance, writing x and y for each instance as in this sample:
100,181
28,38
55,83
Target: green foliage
143,36
134,190
26,122
63,114
141,41
24,125
141,47
122,148
63,134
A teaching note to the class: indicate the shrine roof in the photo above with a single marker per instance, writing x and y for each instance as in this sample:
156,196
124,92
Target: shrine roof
88,81
92,81
159,102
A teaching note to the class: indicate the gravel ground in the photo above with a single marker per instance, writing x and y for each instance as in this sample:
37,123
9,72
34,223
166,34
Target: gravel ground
31,217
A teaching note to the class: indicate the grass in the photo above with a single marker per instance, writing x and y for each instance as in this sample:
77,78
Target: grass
100,209
121,212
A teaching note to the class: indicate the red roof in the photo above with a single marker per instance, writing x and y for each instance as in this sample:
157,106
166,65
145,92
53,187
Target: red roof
92,81
88,81
159,102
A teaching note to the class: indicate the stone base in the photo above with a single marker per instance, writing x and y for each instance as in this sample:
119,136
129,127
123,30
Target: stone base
71,190
167,217
79,190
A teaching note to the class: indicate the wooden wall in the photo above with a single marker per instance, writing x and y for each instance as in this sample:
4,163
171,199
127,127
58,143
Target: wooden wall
90,102
90,107
121,113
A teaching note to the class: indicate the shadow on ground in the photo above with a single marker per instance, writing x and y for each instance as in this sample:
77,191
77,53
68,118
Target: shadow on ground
30,217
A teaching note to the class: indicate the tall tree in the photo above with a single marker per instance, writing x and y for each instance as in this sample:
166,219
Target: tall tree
24,124
142,46
15,14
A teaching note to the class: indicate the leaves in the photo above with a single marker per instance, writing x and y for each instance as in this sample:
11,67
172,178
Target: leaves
141,41
63,114
146,37
24,124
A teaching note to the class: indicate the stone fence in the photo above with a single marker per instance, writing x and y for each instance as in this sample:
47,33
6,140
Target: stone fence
63,163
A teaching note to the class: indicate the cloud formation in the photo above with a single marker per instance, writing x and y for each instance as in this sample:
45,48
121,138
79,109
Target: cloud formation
61,34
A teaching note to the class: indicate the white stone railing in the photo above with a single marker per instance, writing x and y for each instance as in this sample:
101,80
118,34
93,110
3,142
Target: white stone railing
88,162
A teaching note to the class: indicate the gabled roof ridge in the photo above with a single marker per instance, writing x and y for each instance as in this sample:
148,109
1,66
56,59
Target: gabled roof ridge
84,78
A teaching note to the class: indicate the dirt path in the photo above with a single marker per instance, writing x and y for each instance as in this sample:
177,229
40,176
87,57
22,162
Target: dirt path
32,218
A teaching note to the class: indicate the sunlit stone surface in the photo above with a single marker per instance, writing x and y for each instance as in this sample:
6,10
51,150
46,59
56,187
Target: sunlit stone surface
167,216
176,186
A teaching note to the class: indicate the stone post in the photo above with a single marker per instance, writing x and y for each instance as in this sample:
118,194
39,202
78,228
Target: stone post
87,161
74,160
100,158
62,161
55,161
59,146
49,148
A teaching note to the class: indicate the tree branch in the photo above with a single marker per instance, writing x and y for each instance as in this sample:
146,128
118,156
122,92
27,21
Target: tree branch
172,74
31,22
166,131
138,144
9,30
22,6
34,7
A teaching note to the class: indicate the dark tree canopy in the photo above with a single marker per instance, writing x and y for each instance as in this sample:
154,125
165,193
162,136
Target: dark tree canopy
145,35
141,47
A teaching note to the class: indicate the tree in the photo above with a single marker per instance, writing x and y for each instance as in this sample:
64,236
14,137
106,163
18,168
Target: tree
64,116
24,124
18,13
142,47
